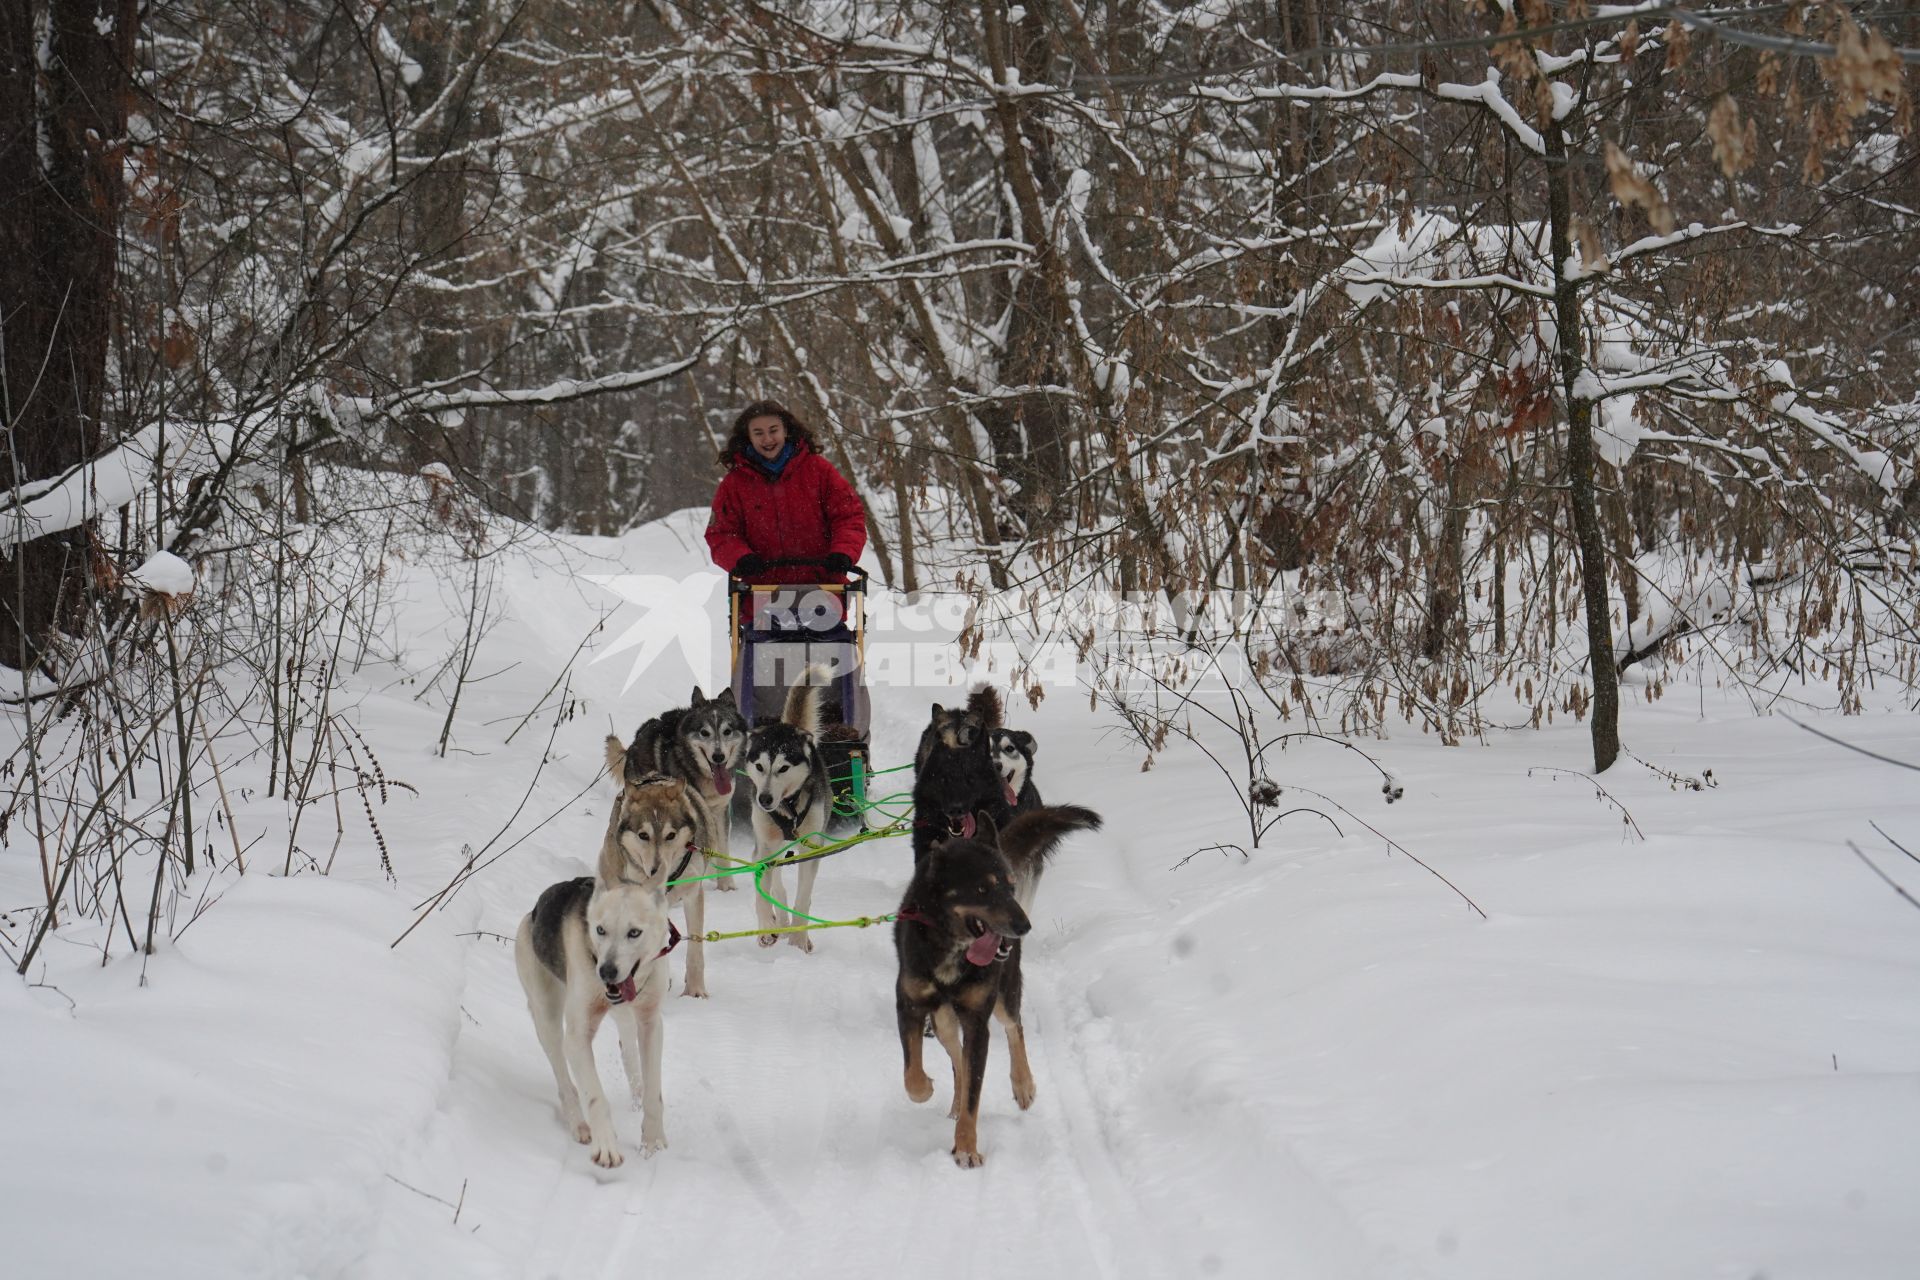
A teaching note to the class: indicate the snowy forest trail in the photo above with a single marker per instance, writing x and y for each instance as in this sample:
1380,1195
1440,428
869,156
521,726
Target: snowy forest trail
1310,1061
792,1145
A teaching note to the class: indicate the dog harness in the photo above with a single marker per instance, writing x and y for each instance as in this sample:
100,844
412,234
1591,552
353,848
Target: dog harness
679,871
789,825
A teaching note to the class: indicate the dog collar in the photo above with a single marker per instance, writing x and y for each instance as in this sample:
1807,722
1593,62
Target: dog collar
913,914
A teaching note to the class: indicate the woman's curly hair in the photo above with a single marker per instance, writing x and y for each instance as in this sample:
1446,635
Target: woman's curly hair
738,445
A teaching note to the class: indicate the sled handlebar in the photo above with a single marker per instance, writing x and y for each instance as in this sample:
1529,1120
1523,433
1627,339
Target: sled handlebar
856,577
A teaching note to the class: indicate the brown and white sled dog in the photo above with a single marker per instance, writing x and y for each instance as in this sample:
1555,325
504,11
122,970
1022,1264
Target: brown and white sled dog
700,744
655,836
791,796
589,948
957,940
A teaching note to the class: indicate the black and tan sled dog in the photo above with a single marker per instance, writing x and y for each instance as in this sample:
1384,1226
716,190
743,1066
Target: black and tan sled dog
957,939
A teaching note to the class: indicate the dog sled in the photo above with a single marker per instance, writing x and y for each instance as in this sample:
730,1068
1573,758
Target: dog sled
786,632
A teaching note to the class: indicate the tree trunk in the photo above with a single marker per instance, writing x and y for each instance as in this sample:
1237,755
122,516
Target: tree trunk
441,45
62,147
1029,431
1581,496
1445,573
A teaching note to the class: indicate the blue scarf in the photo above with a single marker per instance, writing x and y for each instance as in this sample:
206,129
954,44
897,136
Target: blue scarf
775,467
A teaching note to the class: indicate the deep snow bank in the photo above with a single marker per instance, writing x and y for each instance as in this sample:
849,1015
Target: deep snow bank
235,1115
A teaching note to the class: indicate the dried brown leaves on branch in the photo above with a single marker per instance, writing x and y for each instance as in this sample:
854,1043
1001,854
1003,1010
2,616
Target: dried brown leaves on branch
1734,143
1634,189
1679,44
1593,256
1864,68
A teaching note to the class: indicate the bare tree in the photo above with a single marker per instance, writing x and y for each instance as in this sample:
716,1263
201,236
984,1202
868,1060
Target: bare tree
66,70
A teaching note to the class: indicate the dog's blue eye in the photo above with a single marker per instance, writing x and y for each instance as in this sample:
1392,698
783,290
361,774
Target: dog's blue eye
600,929
633,933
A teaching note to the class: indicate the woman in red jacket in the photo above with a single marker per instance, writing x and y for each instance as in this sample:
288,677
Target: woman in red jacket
781,500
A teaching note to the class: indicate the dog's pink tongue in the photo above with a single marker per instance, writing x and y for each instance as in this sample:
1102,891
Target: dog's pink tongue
722,780
628,992
982,949
966,829
1013,797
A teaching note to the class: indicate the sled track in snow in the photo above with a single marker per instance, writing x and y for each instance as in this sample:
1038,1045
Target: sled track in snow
792,1145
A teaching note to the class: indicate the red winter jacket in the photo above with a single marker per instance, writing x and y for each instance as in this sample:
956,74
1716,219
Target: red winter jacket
809,509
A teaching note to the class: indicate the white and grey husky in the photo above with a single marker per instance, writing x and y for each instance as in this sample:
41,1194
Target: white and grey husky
589,948
791,797
654,836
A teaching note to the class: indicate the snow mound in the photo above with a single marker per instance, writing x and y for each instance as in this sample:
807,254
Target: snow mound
235,1115
166,573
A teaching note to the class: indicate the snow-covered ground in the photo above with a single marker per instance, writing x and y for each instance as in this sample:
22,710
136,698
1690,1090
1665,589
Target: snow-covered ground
1693,1054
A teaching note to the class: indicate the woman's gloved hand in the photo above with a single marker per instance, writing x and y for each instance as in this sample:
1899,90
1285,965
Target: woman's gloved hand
748,565
837,562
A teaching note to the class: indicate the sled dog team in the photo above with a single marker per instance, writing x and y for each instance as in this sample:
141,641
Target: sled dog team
598,945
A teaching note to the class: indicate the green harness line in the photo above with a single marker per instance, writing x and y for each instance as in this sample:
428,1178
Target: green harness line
714,935
874,773
783,855
897,825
